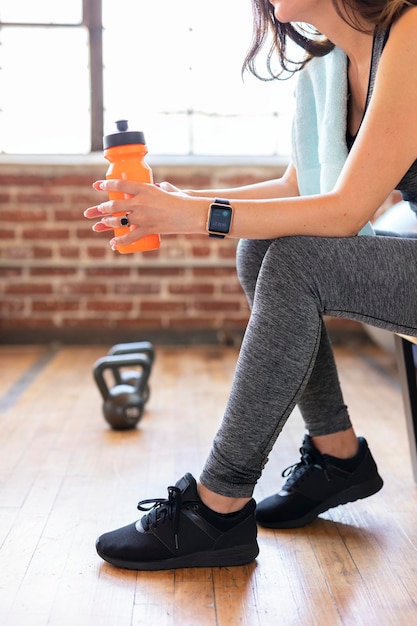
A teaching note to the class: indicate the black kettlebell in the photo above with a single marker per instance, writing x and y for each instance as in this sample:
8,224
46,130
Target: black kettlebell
123,403
131,377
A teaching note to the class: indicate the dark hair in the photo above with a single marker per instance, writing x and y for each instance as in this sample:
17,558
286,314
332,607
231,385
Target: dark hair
268,30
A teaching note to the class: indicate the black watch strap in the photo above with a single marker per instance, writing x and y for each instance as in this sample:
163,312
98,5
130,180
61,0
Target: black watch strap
218,203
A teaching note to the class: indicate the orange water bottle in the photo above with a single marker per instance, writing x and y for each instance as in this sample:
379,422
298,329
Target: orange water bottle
126,151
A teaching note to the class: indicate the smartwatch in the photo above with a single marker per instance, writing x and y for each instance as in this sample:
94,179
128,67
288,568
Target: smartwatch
219,218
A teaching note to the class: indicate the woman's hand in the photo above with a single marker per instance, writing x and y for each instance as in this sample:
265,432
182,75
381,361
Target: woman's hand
171,188
161,209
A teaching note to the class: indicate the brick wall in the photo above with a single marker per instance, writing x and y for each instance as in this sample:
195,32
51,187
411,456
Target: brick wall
60,281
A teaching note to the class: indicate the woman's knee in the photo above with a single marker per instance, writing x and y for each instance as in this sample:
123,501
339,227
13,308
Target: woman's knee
249,258
288,271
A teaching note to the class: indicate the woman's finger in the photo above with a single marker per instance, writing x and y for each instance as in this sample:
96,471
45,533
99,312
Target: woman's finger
129,187
118,221
106,208
168,187
133,235
92,212
99,227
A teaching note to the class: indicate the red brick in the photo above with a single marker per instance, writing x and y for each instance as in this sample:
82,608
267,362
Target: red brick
137,289
161,272
52,271
7,233
59,263
28,215
86,199
233,288
239,321
83,289
42,253
199,181
109,272
216,306
69,252
75,180
199,237
10,272
50,233
191,289
149,254
86,232
40,198
214,272
96,253
17,252
201,251
238,180
105,306
11,180
138,323
195,323
11,307
28,322
70,214
227,252
54,305
86,322
162,307
28,288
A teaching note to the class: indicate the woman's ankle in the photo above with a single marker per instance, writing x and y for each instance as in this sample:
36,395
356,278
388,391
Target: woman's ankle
218,503
342,445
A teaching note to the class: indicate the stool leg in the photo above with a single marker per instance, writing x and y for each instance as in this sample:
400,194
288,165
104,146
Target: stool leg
408,381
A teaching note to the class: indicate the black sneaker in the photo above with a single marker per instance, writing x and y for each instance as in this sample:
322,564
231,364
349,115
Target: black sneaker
182,532
318,483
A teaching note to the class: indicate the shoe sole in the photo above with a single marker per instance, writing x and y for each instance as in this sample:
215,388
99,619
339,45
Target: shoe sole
240,555
358,492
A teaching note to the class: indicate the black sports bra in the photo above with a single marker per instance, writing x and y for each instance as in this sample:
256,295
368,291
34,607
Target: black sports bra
408,184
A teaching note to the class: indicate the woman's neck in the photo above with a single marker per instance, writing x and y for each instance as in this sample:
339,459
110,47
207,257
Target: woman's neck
357,44
358,47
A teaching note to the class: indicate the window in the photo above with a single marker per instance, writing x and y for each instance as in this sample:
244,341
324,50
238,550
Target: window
172,68
44,78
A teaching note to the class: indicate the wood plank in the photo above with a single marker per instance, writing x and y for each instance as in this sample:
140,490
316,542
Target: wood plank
66,477
15,361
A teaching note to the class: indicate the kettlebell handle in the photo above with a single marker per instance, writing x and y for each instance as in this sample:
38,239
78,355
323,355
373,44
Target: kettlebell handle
114,362
135,347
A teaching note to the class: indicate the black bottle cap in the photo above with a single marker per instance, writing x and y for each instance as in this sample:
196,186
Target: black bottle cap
123,136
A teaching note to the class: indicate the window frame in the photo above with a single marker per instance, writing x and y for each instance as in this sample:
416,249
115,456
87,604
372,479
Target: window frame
92,21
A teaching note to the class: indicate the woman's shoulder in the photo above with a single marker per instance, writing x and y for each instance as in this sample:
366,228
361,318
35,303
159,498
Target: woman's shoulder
406,24
401,47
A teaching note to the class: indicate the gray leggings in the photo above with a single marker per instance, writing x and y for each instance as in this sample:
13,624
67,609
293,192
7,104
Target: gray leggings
286,357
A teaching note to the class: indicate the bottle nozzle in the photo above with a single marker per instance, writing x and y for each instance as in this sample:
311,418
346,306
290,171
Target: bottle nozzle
123,136
122,125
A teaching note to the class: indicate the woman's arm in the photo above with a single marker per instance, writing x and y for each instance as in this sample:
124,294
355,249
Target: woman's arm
177,211
284,187
384,150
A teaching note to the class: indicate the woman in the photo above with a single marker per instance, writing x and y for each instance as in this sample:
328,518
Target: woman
299,259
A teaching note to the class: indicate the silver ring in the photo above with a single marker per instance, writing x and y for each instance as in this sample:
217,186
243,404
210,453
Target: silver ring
124,221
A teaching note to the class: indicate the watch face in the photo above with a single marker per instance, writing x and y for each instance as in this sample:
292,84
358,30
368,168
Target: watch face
220,219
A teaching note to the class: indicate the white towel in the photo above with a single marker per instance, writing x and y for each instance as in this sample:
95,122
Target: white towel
319,127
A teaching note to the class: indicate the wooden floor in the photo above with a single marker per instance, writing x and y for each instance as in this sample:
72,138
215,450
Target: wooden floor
66,477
